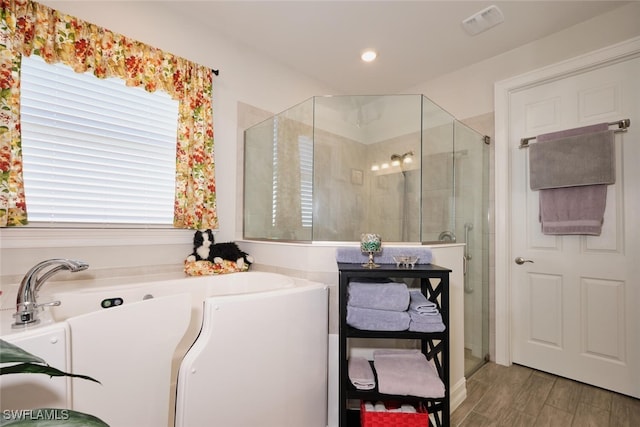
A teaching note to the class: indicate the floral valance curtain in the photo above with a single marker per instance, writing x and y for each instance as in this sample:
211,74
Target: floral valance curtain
27,27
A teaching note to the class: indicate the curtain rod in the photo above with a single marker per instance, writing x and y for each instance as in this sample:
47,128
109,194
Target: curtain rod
216,72
623,125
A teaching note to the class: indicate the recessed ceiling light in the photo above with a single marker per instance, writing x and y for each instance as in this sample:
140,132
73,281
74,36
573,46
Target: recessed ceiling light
368,55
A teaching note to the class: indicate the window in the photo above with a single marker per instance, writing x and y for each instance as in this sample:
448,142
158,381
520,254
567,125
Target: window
305,150
305,147
274,178
94,150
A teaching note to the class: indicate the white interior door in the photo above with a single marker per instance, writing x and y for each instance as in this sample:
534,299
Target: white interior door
575,308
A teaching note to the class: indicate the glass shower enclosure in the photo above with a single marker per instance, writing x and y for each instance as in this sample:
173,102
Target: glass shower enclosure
333,167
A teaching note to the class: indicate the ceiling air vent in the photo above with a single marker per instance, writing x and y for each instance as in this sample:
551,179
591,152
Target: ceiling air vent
483,20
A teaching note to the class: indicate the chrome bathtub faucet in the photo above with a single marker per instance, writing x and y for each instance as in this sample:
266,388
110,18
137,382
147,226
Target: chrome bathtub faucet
26,303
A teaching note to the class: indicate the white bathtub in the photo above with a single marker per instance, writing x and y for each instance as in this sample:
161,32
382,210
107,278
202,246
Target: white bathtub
231,350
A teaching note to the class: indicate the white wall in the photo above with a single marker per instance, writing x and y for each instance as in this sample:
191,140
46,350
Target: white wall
454,90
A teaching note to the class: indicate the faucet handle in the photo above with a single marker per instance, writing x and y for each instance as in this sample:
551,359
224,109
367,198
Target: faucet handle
49,304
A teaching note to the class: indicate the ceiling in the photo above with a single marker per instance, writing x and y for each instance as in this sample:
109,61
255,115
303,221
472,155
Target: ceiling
416,41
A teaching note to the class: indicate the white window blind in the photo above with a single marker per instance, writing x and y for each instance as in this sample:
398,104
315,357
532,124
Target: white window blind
274,185
305,150
305,147
95,150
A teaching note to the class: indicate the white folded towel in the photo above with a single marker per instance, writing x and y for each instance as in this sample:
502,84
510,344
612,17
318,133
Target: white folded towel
361,374
408,409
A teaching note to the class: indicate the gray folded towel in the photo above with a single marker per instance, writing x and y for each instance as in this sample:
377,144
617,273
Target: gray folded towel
422,323
420,304
353,255
425,318
427,328
407,373
380,296
579,159
377,320
424,314
571,168
573,210
361,374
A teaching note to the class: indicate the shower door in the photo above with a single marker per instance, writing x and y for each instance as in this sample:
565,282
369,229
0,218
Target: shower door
471,176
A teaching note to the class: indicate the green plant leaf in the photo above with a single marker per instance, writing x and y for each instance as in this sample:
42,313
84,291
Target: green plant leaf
27,363
49,417
10,353
32,368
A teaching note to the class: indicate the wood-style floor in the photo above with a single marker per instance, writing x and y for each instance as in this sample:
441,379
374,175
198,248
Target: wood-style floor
519,396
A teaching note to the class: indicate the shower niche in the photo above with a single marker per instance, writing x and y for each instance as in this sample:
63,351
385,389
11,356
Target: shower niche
333,167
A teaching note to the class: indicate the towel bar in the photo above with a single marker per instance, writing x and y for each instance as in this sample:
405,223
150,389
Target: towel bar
623,125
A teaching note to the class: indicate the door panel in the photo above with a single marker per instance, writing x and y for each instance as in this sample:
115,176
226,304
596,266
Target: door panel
603,334
575,308
545,290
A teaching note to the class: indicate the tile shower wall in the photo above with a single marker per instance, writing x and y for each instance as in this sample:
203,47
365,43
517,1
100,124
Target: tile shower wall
395,197
437,182
341,188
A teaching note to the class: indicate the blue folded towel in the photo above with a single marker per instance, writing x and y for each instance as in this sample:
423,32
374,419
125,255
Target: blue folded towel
353,255
377,320
380,296
420,304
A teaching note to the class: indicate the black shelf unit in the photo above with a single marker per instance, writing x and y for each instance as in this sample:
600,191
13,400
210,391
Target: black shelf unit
434,345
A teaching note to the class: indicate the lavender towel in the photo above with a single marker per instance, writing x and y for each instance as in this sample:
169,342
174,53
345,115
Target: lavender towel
573,210
361,374
426,319
424,314
422,323
420,304
583,158
380,296
353,255
407,373
377,320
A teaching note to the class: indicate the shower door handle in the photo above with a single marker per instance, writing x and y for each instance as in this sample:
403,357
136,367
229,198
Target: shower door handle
467,250
468,288
519,260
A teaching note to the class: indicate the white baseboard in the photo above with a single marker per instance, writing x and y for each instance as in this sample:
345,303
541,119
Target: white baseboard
458,393
332,383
